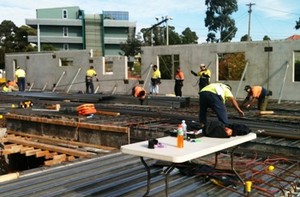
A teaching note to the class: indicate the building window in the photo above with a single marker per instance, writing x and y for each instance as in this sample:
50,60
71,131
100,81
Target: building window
297,66
65,31
116,15
168,65
108,68
134,66
65,61
64,13
231,66
66,47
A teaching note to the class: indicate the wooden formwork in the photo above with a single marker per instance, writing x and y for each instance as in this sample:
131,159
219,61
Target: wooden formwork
74,129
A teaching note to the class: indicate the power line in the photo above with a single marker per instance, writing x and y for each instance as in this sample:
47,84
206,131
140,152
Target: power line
286,12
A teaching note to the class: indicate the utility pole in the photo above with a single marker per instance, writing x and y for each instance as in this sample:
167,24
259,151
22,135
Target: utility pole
164,20
249,23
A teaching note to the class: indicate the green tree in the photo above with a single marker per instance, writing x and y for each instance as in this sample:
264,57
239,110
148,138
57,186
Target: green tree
7,39
132,46
30,31
218,19
244,38
189,37
297,24
174,37
266,38
160,35
13,39
48,47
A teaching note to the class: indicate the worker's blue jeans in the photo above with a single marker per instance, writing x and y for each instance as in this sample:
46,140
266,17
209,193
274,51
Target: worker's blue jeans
21,84
213,101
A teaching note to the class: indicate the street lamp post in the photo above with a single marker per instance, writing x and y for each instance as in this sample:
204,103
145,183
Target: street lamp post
166,18
167,32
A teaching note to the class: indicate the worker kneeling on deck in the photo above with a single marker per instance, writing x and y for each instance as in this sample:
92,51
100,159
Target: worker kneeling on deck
214,96
140,93
256,93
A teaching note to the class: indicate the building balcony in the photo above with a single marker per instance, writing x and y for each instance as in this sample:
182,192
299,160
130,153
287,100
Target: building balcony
52,39
53,22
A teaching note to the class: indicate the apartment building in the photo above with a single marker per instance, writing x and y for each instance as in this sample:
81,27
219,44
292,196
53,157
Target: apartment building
69,28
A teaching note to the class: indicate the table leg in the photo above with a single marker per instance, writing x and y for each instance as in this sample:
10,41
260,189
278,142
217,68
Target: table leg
232,165
216,159
167,172
148,176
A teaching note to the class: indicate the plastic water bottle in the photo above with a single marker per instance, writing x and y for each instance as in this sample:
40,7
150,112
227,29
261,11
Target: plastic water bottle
179,137
184,129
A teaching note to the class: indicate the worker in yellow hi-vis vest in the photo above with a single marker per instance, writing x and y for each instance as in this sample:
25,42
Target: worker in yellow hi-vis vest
90,74
20,78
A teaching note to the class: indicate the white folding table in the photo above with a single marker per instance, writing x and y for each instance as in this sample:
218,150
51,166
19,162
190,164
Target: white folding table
190,151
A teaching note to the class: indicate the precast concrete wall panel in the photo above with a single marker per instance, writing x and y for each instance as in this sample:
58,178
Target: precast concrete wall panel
269,63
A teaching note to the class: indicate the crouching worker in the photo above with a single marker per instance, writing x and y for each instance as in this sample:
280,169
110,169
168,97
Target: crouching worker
140,93
10,86
259,94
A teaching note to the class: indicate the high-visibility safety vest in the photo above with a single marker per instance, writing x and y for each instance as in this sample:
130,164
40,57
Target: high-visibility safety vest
91,73
137,90
219,89
6,89
20,73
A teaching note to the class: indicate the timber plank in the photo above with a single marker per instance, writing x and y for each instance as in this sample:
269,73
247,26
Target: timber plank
111,128
107,113
50,155
61,157
71,158
52,140
50,147
42,153
57,159
9,146
32,152
24,149
8,151
282,116
52,162
3,140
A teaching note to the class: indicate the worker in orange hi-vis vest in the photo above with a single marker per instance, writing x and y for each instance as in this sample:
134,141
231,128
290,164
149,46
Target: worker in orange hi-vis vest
259,94
179,78
140,93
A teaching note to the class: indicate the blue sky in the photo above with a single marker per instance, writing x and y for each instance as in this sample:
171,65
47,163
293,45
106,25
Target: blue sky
275,18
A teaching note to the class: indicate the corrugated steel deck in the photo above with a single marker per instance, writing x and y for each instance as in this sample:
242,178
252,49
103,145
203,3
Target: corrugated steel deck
118,174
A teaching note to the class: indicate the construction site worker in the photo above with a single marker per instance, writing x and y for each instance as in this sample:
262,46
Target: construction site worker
140,93
90,74
179,78
155,80
256,93
214,96
20,75
9,86
204,74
